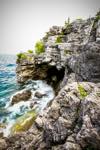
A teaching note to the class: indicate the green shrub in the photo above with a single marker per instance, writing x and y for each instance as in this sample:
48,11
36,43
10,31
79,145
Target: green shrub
58,40
21,56
82,91
30,51
96,19
97,16
39,47
68,25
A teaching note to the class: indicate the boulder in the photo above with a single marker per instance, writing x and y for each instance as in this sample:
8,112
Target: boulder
22,96
39,94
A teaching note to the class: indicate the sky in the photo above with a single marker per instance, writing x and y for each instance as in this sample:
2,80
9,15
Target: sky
23,22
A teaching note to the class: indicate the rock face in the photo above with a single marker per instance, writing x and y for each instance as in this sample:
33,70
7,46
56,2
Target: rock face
70,122
78,52
72,66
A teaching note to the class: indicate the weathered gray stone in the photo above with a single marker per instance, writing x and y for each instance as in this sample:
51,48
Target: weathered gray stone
68,123
39,95
90,130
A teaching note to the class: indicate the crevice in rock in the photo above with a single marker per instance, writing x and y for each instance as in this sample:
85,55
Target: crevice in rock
79,120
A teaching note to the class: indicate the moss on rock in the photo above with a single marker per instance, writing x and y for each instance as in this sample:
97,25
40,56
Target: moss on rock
24,122
59,39
39,47
82,91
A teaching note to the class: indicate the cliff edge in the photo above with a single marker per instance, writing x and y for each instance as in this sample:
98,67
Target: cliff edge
70,63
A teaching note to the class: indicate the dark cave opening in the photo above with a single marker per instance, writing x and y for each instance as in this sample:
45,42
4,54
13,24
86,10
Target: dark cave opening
55,76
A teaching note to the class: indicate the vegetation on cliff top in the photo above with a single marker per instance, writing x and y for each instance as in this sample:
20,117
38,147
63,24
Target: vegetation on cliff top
59,39
97,16
30,51
39,47
21,56
68,25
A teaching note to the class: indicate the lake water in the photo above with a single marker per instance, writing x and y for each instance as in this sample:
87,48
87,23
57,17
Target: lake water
9,87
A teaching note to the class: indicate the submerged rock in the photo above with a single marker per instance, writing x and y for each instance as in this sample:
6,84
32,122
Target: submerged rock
39,94
22,96
24,122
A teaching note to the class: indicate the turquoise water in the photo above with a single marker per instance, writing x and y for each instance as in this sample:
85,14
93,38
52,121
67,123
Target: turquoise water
9,87
8,83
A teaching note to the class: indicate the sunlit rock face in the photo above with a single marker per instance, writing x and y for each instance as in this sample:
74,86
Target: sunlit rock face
71,65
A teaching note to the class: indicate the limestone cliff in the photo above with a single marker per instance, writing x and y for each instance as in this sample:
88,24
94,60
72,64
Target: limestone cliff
71,64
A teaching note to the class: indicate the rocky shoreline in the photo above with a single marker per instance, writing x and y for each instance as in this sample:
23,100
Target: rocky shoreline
71,65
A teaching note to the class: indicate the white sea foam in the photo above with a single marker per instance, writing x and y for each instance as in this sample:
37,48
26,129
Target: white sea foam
23,106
